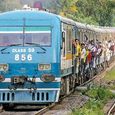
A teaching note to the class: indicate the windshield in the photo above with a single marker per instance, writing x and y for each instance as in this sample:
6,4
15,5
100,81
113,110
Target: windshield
38,35
11,35
10,38
20,35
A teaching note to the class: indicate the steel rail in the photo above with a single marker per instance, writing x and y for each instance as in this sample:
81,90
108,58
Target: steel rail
111,109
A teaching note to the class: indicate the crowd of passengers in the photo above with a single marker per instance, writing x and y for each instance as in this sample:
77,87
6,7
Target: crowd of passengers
92,54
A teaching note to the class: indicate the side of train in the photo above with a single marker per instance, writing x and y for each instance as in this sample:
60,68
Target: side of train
37,62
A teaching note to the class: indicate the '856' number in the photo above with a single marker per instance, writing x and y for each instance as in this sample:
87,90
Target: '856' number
23,57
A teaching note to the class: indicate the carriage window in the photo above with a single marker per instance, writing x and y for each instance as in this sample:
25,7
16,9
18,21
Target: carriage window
69,38
38,35
63,42
78,35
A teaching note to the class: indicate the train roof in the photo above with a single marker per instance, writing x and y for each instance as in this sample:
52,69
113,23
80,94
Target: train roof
43,14
93,28
66,20
30,14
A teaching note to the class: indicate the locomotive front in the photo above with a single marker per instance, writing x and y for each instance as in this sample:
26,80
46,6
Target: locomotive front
29,57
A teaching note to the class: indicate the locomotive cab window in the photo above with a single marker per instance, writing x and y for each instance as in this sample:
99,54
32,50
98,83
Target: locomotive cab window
26,36
11,35
38,35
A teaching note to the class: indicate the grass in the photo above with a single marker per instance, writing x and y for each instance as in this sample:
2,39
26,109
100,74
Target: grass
110,75
98,98
99,95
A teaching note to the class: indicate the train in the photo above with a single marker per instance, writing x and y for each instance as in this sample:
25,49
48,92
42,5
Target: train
37,64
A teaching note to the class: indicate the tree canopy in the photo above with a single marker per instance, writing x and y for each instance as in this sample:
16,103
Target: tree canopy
97,12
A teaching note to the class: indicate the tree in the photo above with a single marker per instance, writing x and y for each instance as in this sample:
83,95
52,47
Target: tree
67,7
2,5
100,11
7,5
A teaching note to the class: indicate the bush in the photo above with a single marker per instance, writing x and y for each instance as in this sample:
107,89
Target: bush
99,93
98,97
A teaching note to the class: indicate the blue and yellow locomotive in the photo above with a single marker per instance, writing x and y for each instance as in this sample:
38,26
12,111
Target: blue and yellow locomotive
29,57
36,56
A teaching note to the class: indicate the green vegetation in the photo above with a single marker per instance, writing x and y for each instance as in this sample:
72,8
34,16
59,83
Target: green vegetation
97,12
110,79
7,5
110,75
98,97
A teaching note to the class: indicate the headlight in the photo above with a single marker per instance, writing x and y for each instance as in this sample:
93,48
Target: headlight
2,78
44,66
3,67
48,78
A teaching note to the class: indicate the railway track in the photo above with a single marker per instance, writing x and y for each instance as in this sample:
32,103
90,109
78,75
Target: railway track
71,100
111,111
21,111
45,109
41,111
71,96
